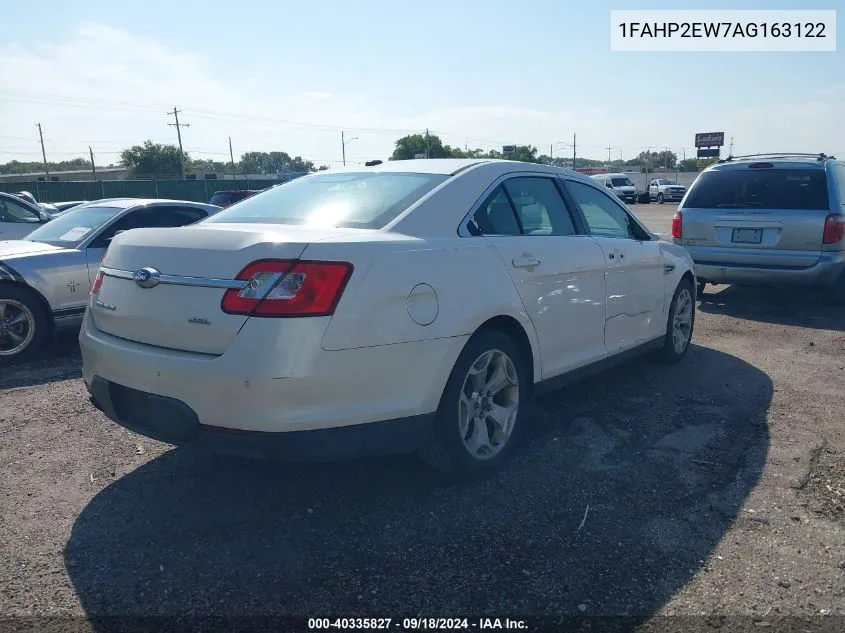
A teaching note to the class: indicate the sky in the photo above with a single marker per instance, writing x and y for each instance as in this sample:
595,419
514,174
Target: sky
290,76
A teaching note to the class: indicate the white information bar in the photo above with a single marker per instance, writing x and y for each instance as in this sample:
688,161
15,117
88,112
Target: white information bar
723,30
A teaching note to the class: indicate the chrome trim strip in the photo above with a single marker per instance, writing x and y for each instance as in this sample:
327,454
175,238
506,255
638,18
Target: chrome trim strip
179,280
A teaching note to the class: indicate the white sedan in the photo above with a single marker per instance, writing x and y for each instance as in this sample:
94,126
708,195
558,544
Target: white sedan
409,306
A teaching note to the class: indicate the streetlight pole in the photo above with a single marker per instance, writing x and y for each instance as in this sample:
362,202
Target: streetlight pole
344,142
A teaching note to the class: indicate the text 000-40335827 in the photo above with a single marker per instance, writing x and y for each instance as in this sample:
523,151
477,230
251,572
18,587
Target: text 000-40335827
723,30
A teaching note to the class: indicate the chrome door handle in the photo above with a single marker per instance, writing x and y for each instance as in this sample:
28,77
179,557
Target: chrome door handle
526,262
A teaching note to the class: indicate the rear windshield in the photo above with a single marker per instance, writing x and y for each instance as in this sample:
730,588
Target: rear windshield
346,199
795,189
621,182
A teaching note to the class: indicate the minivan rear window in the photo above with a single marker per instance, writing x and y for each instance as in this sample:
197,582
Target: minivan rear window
795,189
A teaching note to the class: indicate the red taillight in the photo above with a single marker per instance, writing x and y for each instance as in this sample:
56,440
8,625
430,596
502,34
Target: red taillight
288,288
98,281
834,228
677,225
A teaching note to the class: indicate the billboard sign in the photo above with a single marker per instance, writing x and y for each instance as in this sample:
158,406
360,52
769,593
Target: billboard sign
708,153
508,150
710,139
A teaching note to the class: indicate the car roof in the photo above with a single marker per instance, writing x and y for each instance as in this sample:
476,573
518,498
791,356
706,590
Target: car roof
785,160
126,203
453,166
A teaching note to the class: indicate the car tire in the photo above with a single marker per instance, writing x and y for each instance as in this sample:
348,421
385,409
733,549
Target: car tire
23,316
682,315
835,293
457,444
660,198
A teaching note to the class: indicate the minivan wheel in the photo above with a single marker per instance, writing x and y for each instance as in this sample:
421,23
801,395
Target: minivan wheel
680,325
835,293
660,198
481,407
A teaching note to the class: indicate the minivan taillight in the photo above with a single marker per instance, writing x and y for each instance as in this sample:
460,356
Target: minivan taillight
834,228
98,281
288,288
677,225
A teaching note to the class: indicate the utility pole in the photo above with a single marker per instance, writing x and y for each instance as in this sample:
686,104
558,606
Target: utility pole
608,148
427,145
343,144
573,150
179,127
93,168
43,153
232,158
731,151
552,153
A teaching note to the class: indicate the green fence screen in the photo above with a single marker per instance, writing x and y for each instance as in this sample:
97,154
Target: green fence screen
194,190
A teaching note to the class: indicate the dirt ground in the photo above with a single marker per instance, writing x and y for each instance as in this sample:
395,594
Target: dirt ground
714,490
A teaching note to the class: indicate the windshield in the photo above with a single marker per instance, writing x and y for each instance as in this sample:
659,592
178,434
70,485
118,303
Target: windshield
666,182
345,199
796,189
621,182
73,226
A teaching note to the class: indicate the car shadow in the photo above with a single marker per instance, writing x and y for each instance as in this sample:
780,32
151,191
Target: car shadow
59,360
622,486
800,307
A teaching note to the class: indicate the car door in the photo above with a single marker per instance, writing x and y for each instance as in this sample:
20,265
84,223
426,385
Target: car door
557,269
144,217
634,266
17,220
652,189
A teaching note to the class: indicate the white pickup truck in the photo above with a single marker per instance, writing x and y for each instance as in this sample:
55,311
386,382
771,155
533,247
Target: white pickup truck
664,190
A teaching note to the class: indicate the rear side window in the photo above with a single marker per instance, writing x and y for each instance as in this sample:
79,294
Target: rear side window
788,189
840,176
220,199
540,207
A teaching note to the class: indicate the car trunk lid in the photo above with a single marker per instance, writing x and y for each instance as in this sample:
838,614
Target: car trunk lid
196,265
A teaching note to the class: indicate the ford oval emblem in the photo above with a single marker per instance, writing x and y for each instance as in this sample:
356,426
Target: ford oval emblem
147,277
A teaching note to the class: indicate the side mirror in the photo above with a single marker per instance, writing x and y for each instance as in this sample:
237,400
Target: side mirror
116,233
609,185
43,216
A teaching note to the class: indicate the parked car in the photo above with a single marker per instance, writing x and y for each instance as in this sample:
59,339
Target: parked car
663,190
767,220
18,218
619,184
414,305
45,279
61,207
225,199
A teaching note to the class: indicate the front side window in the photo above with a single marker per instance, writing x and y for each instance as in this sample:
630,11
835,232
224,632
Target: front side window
604,217
14,212
367,200
150,217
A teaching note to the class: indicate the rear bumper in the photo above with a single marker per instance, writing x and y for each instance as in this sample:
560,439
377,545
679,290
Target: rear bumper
172,421
268,383
823,273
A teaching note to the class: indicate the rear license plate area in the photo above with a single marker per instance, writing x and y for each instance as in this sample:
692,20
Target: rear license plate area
747,236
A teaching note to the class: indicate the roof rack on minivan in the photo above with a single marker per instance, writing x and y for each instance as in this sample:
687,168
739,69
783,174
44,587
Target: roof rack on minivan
819,156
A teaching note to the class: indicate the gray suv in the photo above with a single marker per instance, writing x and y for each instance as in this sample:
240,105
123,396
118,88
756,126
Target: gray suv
767,219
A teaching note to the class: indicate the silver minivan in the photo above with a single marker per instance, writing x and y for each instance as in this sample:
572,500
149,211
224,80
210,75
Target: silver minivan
767,219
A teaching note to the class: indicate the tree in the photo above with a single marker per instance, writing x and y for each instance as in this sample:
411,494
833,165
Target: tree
409,146
321,168
272,163
18,167
153,159
207,164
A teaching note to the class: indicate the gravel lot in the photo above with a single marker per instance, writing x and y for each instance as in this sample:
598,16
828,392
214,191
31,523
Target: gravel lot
715,488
